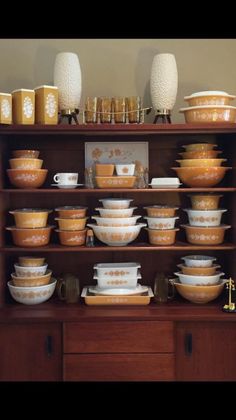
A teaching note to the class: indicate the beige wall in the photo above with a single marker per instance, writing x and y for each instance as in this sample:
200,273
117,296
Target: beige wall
121,66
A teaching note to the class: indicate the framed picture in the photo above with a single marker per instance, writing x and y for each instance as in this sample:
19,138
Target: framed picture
115,152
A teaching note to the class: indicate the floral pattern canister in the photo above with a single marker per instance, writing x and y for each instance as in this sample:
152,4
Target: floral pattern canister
5,108
46,104
23,106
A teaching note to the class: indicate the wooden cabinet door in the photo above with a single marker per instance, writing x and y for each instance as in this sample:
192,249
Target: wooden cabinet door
206,351
30,352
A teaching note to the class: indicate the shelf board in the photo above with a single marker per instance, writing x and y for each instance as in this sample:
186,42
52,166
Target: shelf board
119,129
112,190
56,310
178,246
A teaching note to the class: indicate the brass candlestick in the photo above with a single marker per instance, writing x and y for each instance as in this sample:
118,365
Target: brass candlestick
230,307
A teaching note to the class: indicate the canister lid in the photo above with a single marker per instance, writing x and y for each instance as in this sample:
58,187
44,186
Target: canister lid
46,86
23,90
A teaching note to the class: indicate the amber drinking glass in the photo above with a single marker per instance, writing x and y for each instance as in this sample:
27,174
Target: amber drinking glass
134,109
105,108
119,108
91,110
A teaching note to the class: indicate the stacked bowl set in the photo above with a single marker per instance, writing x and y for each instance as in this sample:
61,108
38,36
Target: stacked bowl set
31,282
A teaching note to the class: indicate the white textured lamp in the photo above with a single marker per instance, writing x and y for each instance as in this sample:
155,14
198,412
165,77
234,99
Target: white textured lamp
163,85
67,77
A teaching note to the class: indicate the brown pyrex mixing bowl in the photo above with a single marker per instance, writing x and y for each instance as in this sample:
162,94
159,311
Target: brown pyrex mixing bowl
198,147
209,113
71,212
27,178
205,235
205,201
161,211
201,154
31,261
199,294
201,177
72,224
25,154
25,163
72,237
31,281
199,271
30,237
30,218
162,236
200,162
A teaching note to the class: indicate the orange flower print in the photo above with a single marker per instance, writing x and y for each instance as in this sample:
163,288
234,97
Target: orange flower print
96,153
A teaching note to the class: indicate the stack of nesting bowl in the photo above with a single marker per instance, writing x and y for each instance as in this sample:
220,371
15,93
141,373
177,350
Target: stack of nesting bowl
31,282
116,225
204,226
209,106
72,221
26,169
200,166
161,224
31,229
199,281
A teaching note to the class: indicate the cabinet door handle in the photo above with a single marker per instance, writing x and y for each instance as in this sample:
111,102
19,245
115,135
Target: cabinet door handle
188,344
49,345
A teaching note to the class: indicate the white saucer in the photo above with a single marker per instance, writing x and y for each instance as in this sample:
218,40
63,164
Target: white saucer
118,291
67,186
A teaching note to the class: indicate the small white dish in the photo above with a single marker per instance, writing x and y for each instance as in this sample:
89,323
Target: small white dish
121,291
170,182
67,186
125,169
165,185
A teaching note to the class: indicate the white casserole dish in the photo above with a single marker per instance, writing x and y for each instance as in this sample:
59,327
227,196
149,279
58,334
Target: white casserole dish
171,182
117,270
205,217
161,222
117,282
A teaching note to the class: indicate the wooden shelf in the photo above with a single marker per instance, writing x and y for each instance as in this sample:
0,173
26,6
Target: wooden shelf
55,310
119,129
113,190
178,246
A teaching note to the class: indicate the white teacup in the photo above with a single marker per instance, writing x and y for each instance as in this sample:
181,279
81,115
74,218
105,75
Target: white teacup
66,178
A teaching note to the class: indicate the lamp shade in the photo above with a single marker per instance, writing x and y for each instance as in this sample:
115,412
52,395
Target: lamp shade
67,77
164,81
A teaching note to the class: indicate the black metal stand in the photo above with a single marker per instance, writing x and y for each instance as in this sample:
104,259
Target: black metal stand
165,119
69,116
